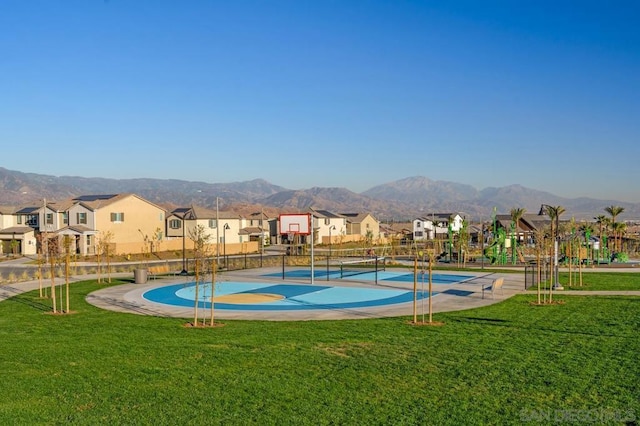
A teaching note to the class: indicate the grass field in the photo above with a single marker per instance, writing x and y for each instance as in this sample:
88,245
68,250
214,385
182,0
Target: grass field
508,363
607,281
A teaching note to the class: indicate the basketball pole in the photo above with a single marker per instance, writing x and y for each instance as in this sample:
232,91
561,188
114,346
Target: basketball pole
415,290
312,258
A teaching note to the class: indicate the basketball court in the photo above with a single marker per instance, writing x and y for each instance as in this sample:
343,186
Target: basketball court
345,289
263,295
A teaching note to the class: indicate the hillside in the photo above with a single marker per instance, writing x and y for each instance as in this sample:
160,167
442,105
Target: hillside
401,199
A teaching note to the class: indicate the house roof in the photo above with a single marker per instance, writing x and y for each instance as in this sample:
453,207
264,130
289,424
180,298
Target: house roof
76,230
93,202
27,210
7,209
355,217
17,230
438,217
528,221
251,230
325,213
200,213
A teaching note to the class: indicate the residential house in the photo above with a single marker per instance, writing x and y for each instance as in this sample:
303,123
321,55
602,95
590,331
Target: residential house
328,227
127,221
257,228
16,238
226,229
526,228
436,225
363,225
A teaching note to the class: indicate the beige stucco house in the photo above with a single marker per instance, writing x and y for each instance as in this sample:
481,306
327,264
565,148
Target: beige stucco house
125,220
16,235
363,224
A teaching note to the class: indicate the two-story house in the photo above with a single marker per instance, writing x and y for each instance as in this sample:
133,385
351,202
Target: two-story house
224,229
125,221
328,227
362,224
17,238
436,225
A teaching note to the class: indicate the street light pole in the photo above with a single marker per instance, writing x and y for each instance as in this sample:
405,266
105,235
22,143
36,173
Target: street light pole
184,257
330,240
224,247
217,234
482,244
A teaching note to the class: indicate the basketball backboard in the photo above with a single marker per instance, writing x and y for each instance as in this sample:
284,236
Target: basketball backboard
297,224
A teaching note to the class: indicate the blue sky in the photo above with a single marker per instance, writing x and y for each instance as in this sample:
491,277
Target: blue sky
326,93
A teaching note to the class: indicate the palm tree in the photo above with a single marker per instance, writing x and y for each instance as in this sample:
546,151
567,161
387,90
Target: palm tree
614,211
516,215
554,214
618,229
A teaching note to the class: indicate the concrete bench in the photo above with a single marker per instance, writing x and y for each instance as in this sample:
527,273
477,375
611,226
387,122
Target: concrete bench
493,287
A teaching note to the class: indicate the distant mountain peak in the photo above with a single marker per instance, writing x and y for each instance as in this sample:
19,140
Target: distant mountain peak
401,199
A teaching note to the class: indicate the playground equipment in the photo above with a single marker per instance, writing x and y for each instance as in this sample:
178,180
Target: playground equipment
496,252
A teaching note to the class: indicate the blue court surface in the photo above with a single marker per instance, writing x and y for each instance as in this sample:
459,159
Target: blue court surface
371,276
292,296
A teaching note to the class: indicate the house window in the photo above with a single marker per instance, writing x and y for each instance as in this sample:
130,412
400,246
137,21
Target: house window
65,218
88,240
212,223
49,219
327,221
81,218
175,224
19,219
117,217
32,220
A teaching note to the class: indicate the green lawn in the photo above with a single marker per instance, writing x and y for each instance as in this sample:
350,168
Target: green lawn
506,363
614,281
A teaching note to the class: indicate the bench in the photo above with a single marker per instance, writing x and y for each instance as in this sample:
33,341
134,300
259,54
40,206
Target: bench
154,271
493,287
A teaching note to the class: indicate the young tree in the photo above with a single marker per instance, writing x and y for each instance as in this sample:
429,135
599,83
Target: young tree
41,237
462,242
157,240
201,239
104,249
554,213
540,250
53,252
67,260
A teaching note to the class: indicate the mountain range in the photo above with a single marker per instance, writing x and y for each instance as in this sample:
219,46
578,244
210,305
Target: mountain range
398,200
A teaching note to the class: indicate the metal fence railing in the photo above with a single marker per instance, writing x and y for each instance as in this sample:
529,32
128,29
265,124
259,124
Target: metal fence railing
535,273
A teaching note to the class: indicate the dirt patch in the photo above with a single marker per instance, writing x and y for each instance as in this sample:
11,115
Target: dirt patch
422,323
206,325
345,350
